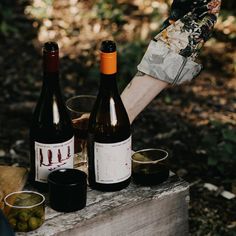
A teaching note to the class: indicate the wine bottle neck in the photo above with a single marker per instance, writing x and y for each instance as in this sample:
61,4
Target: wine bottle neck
51,68
51,78
51,64
108,69
108,84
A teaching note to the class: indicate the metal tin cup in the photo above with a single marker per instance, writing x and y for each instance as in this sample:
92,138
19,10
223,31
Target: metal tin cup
150,166
25,210
67,190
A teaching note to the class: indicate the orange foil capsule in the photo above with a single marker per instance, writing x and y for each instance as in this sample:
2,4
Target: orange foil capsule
108,64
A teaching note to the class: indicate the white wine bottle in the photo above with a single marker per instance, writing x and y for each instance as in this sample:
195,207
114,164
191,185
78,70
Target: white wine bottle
51,132
109,132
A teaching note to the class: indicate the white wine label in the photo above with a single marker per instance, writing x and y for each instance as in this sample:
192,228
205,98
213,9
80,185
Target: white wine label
49,157
112,161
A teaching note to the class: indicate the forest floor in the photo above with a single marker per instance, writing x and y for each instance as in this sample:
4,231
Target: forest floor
195,122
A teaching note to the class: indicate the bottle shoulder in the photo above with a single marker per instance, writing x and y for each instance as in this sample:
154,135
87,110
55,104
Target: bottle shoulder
109,108
50,105
51,120
109,121
50,135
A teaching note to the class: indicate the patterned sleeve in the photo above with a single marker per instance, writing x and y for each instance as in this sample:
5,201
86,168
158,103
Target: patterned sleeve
170,55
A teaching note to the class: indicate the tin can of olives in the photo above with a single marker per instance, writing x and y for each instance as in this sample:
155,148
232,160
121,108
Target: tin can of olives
25,210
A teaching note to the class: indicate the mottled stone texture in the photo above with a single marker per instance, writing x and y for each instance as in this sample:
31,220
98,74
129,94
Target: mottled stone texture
134,211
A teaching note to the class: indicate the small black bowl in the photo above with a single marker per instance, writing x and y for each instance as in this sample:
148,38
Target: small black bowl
150,166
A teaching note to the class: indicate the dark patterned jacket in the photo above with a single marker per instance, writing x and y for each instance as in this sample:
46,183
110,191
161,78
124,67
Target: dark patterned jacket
171,54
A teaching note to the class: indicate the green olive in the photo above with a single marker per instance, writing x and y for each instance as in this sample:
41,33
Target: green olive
39,212
22,226
12,214
140,157
34,223
12,222
23,216
145,171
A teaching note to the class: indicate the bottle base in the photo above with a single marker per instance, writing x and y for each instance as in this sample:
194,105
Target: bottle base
109,187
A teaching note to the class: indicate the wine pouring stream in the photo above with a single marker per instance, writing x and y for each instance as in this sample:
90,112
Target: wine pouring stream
79,108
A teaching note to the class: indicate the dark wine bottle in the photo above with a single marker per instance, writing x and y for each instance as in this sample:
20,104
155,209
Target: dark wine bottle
109,133
51,132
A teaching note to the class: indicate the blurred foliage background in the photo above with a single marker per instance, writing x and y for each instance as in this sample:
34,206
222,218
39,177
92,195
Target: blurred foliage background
196,122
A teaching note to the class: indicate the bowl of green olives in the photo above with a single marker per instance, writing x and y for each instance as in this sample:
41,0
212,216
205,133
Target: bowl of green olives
25,210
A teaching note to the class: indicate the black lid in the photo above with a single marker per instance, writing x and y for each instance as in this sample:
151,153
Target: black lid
50,47
108,46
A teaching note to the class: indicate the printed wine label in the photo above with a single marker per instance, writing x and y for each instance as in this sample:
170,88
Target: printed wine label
49,157
112,161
